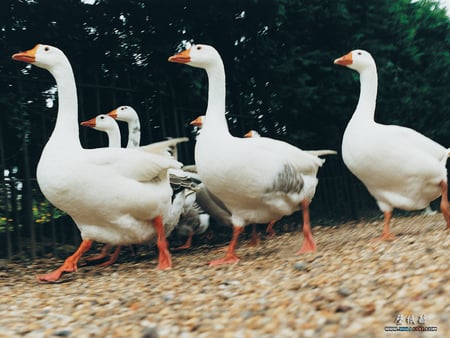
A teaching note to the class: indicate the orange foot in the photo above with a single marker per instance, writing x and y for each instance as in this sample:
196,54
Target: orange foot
447,219
186,245
109,262
182,247
254,241
96,257
386,236
308,246
219,250
270,233
104,253
228,259
165,260
55,275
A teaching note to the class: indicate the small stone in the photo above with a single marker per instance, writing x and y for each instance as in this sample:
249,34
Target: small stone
150,332
344,291
369,309
62,333
168,296
343,308
301,266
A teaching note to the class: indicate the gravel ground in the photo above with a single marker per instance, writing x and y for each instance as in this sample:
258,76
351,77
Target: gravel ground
351,287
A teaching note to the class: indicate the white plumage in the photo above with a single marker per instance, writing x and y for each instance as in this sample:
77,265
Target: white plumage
114,195
107,125
258,179
129,115
400,167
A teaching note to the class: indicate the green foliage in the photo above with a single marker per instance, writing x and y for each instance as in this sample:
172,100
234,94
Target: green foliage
44,212
6,224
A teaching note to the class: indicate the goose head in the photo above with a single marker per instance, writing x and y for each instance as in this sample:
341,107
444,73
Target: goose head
124,113
43,56
252,133
357,59
198,122
100,122
200,56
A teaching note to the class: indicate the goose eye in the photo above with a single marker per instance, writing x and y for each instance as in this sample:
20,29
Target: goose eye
359,53
122,108
47,48
199,47
102,117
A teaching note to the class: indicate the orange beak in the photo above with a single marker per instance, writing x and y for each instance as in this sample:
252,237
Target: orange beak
113,113
344,60
89,123
248,134
198,122
183,57
28,56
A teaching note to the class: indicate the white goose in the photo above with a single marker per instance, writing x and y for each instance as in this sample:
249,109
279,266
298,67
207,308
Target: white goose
129,115
108,125
277,178
269,230
199,122
133,185
400,167
209,203
252,133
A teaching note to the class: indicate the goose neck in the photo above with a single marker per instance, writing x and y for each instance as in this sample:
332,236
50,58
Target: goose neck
368,95
66,126
134,133
113,138
215,112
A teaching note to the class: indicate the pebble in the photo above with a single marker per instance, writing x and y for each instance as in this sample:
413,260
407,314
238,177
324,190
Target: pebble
301,266
352,288
150,332
62,333
343,291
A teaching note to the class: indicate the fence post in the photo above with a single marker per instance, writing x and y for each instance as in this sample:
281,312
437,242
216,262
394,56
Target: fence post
5,196
28,199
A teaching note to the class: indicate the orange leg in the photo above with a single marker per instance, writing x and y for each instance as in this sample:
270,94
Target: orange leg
308,242
188,243
254,240
103,253
230,256
113,257
69,265
444,202
164,259
269,231
387,235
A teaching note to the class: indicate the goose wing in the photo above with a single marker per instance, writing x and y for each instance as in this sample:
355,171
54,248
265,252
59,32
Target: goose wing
131,163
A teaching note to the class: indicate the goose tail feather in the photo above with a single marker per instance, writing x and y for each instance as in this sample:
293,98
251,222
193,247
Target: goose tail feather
322,152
